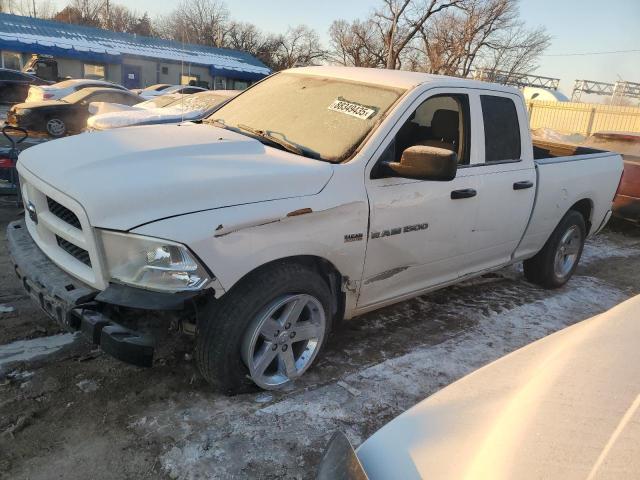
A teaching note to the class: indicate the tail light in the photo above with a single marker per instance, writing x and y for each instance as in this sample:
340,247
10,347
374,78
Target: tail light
6,162
47,95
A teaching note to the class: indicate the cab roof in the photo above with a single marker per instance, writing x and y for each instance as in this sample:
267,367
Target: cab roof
395,78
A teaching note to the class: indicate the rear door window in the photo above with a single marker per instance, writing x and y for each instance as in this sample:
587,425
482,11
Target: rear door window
501,129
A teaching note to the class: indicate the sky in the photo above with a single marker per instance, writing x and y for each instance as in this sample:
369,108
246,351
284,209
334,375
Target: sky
576,26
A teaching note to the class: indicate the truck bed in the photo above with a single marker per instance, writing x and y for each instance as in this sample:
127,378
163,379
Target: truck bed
561,185
544,149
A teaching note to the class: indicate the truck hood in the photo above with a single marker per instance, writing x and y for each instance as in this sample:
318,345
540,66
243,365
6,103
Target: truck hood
127,177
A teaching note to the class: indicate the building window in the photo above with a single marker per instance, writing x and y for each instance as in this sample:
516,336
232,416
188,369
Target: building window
220,83
189,79
93,71
240,84
11,60
165,70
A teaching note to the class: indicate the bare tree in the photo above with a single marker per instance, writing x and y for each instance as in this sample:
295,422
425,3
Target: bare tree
118,19
299,46
29,8
356,44
517,50
398,22
458,39
196,21
249,38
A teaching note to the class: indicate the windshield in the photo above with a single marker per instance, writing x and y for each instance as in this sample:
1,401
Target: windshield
197,101
158,102
326,118
156,88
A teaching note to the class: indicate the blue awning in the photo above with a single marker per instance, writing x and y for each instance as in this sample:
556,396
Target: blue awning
236,74
54,50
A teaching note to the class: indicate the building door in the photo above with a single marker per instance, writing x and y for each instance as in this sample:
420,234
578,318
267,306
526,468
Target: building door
131,76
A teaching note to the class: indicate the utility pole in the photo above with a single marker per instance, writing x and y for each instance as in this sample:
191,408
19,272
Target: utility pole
35,14
108,16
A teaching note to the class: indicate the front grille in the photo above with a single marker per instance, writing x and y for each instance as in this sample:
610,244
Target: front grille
75,251
63,213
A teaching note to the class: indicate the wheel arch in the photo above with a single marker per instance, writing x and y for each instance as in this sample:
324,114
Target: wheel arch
585,208
325,268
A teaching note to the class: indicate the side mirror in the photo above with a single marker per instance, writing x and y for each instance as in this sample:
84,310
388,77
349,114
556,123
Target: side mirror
426,163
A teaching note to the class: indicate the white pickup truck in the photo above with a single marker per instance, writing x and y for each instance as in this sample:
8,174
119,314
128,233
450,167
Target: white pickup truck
314,196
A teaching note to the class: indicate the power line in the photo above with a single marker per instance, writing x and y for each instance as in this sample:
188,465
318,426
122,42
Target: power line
590,53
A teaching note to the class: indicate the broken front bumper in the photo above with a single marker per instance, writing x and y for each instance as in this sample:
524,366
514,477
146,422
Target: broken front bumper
72,304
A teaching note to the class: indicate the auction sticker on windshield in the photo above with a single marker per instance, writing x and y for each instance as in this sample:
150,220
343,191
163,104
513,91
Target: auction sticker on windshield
351,108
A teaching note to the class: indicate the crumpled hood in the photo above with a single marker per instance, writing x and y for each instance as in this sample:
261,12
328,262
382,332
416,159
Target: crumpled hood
127,177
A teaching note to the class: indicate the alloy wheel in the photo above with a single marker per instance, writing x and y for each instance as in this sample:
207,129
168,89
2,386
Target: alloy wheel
284,339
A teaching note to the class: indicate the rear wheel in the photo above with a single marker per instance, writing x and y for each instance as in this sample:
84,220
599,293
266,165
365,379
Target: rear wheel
267,331
56,127
554,265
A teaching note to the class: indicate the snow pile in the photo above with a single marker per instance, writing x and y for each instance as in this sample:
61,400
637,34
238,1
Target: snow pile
25,350
186,108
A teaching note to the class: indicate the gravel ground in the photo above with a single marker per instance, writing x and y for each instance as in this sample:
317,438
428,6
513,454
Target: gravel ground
68,411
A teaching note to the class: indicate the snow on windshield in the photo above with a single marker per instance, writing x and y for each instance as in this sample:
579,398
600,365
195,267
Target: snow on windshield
197,101
327,117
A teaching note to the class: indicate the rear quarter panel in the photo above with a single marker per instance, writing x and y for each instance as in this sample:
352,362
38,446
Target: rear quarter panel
564,181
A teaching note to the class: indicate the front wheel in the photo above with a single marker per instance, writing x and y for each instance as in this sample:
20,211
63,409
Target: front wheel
56,127
267,331
554,265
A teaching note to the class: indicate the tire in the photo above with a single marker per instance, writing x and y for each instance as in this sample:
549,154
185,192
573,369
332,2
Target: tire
232,335
56,127
553,267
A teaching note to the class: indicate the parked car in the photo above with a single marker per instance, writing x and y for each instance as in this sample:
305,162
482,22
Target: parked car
158,87
14,85
318,194
67,87
68,115
181,89
563,407
627,202
188,108
99,108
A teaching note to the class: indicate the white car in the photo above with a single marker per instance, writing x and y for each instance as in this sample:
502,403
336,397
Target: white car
187,108
99,108
318,194
180,89
564,407
158,87
38,93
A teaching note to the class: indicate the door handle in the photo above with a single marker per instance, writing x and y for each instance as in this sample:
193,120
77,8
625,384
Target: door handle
464,193
522,185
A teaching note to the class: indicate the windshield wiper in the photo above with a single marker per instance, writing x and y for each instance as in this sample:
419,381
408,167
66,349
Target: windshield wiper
216,122
270,138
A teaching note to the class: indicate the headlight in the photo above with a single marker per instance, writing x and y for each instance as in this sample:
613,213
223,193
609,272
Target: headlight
151,263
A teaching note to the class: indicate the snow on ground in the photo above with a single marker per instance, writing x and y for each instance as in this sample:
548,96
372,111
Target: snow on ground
206,435
605,246
25,350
